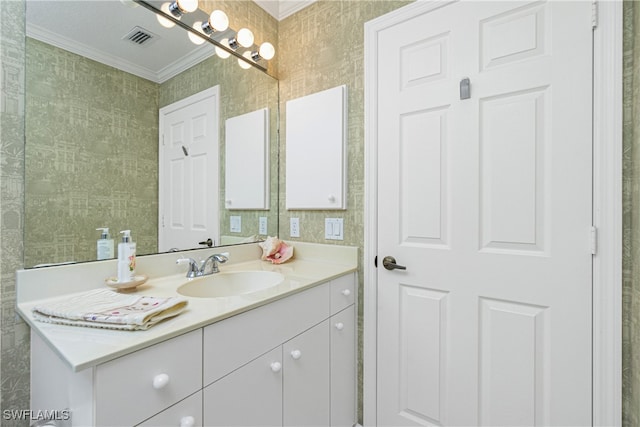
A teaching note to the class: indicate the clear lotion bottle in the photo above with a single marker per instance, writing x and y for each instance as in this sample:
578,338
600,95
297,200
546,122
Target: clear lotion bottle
126,258
104,244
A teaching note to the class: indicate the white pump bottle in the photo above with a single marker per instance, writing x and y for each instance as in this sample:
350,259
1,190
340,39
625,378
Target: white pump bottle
126,258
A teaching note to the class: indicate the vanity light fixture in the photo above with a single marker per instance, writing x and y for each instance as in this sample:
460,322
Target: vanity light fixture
245,65
180,7
244,38
196,39
221,52
266,51
167,23
218,21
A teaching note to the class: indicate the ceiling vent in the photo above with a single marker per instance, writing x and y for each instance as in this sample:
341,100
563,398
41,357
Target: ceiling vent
140,36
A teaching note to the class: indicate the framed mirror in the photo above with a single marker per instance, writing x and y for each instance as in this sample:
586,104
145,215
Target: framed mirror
92,126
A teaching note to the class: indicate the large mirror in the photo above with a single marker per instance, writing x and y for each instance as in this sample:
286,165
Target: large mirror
93,145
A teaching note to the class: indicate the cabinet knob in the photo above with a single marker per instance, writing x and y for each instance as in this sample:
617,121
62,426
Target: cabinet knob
187,421
160,381
276,366
296,354
332,198
346,292
339,326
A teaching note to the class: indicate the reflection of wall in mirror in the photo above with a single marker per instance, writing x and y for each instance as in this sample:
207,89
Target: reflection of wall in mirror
90,156
87,119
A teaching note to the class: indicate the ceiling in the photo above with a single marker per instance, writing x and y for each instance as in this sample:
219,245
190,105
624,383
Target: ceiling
98,29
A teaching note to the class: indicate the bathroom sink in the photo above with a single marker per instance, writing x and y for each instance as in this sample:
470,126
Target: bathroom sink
231,283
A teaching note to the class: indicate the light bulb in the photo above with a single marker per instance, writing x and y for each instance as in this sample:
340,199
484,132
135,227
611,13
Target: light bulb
221,52
242,63
187,6
196,39
245,37
167,23
219,20
267,51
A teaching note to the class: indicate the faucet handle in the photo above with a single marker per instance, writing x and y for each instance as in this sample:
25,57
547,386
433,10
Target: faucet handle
193,266
222,258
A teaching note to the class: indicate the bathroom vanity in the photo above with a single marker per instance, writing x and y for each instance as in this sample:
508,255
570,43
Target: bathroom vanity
282,356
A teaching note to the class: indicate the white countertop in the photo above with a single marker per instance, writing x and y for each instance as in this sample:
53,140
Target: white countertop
82,347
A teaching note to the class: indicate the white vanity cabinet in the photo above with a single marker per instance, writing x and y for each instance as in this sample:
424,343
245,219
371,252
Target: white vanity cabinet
285,363
290,362
122,392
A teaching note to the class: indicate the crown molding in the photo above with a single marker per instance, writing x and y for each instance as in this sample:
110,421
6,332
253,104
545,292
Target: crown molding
73,46
281,9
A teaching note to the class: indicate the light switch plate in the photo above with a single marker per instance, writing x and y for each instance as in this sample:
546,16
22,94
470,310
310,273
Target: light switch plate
262,225
294,224
334,228
235,224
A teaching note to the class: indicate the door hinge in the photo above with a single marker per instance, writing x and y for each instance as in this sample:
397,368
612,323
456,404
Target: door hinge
163,139
162,220
594,240
594,14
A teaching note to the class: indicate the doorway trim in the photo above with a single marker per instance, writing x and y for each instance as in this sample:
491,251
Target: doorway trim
607,208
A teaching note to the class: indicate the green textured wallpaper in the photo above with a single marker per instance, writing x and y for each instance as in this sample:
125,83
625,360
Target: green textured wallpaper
14,343
91,156
631,218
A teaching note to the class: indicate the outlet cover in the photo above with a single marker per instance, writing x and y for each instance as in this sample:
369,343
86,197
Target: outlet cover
235,224
262,225
294,224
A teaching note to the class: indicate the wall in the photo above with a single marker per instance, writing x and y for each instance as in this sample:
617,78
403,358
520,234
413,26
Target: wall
321,47
91,156
631,218
14,341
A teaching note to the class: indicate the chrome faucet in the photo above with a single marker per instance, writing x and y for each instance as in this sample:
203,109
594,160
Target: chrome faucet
196,270
215,259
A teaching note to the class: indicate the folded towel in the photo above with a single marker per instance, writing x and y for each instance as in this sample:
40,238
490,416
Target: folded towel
104,308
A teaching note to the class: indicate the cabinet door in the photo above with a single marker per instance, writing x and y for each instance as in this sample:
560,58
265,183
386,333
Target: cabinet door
343,368
249,396
186,413
306,378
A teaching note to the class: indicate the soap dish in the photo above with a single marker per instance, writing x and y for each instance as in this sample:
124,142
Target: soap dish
138,280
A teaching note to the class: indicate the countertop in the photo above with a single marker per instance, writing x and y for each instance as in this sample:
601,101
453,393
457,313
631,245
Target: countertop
82,347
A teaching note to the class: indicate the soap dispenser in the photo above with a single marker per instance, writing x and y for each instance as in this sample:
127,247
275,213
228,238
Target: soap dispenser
105,244
126,258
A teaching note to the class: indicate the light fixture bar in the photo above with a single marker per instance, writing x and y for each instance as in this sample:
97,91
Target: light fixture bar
200,15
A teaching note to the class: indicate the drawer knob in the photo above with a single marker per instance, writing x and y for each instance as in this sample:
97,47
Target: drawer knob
160,381
187,421
276,366
339,326
346,292
296,354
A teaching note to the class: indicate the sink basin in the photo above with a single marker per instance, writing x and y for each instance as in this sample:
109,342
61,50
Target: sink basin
231,283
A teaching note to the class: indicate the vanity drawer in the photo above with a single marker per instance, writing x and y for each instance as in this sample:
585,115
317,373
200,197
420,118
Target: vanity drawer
187,413
343,292
135,387
238,340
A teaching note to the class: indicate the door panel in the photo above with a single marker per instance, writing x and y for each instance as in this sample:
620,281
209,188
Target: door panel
487,201
189,172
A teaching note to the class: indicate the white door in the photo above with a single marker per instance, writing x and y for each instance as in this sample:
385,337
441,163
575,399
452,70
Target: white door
487,202
189,183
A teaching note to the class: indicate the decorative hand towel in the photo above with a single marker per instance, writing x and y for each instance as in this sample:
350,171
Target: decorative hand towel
103,308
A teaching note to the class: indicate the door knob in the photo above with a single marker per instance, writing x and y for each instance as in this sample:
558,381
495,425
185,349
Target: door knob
207,242
389,263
